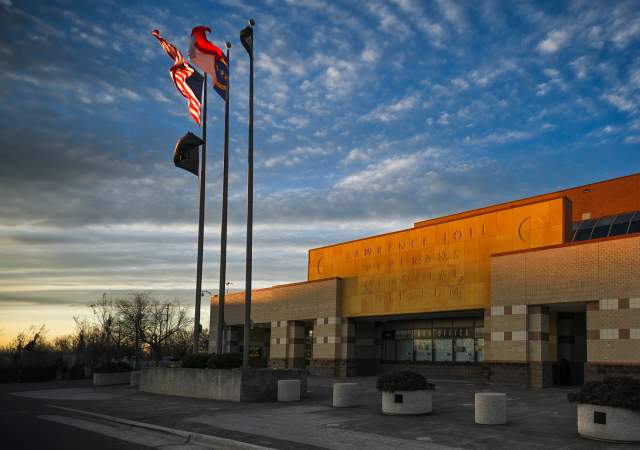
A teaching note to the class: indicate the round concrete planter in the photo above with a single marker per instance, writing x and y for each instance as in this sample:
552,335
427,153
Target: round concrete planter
490,408
607,423
107,379
288,390
407,402
345,395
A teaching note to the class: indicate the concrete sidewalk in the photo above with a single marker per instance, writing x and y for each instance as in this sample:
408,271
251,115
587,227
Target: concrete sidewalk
537,418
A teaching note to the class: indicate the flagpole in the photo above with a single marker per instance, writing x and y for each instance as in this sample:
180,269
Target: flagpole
249,257
203,171
223,231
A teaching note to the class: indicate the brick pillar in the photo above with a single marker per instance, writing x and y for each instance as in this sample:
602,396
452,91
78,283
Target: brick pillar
295,345
330,347
539,355
278,347
345,363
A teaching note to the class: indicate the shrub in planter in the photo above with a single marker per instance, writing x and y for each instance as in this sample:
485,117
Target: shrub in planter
113,367
405,392
609,409
405,380
619,392
225,361
196,360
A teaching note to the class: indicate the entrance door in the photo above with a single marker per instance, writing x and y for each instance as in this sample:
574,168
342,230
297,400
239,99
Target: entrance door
568,370
308,343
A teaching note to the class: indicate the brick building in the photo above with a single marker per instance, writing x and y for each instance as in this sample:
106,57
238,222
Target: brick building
539,291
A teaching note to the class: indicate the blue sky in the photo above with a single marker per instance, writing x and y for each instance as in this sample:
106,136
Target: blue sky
369,116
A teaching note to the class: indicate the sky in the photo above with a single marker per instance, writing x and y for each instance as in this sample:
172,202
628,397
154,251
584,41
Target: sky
368,115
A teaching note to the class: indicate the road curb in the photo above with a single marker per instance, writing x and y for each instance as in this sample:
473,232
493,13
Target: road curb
190,436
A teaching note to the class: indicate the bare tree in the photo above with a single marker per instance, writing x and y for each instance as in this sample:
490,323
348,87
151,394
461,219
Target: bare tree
166,320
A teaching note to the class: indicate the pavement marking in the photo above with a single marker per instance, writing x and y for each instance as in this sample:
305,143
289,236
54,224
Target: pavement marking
69,394
204,440
147,438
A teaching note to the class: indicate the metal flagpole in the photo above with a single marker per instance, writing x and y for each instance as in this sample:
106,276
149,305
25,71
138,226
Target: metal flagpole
203,171
247,291
223,232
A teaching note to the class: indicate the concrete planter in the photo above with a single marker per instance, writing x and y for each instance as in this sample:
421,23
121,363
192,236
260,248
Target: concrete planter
134,380
236,385
490,408
407,402
607,423
345,395
107,379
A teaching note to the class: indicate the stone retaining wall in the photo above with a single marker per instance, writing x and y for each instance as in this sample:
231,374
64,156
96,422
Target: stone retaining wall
236,385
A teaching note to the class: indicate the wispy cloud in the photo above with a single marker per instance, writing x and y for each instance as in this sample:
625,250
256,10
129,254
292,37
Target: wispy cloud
555,40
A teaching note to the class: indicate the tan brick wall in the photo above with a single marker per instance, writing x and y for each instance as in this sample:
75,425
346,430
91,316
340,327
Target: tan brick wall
298,301
589,271
605,274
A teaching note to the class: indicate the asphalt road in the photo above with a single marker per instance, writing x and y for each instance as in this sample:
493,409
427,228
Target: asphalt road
22,425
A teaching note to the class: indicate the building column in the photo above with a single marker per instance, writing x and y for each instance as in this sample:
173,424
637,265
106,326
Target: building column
540,363
279,342
333,347
295,345
613,338
506,344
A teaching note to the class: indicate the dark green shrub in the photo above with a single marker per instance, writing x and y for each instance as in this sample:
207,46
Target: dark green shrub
196,360
619,392
8,374
113,367
225,361
404,380
76,372
31,373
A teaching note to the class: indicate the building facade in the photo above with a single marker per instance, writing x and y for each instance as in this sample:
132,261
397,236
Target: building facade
538,291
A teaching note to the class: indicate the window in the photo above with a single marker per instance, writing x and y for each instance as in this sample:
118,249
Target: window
465,350
443,349
404,345
602,227
620,224
634,227
423,349
584,230
404,350
479,349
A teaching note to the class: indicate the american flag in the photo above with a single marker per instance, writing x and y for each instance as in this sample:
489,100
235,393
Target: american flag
186,79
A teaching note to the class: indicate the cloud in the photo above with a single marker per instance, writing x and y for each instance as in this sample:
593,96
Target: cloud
498,138
355,155
393,111
555,40
622,103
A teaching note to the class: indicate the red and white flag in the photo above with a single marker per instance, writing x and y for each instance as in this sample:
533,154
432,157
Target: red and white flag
186,79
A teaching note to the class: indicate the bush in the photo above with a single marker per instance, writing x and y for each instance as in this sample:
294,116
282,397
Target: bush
404,380
196,360
76,372
8,374
31,373
113,367
619,392
225,361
